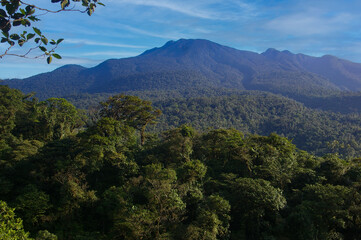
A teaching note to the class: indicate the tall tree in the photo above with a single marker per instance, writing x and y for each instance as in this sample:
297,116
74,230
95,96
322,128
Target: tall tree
131,111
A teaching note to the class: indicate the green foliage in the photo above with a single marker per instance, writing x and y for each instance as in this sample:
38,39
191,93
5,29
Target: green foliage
212,220
32,205
11,101
10,226
61,117
178,145
17,20
255,205
45,235
130,111
315,131
100,182
192,171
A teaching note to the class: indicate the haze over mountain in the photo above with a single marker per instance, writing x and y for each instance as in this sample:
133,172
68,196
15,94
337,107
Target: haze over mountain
185,64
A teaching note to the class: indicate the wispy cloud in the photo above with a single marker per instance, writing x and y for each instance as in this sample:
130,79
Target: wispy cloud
303,24
193,9
169,35
111,53
105,44
79,61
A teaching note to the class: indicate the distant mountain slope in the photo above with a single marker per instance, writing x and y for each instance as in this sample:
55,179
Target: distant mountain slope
64,80
344,74
186,64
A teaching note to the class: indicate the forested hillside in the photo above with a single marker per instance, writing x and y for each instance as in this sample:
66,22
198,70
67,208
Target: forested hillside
319,132
255,112
111,180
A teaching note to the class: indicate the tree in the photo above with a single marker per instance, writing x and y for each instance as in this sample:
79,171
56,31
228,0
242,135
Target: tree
32,204
10,226
131,111
18,16
323,213
178,145
155,208
212,220
11,101
254,202
52,119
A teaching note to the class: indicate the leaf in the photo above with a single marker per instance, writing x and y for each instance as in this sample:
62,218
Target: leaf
59,41
49,59
17,16
42,48
21,42
14,37
25,22
4,40
34,19
44,40
3,13
64,4
37,31
57,56
30,36
31,12
6,34
5,25
22,11
16,23
30,9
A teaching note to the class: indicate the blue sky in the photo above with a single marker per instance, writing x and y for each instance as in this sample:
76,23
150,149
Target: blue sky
125,28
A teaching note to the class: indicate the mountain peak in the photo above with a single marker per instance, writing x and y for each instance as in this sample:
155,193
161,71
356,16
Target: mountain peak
189,42
181,47
272,52
70,66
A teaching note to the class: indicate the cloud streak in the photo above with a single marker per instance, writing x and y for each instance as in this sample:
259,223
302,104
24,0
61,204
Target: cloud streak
184,7
105,44
168,35
309,24
111,54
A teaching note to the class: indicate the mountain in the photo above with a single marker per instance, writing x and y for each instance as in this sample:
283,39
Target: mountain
196,63
344,74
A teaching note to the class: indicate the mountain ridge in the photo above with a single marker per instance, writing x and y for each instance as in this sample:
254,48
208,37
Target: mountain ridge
189,63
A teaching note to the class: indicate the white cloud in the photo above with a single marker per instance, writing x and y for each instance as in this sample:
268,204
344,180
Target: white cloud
105,44
111,53
309,24
190,8
169,35
79,61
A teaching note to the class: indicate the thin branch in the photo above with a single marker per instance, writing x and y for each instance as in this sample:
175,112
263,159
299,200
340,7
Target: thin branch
27,53
6,52
53,11
43,11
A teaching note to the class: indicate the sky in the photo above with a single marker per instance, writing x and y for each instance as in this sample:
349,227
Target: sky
126,28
